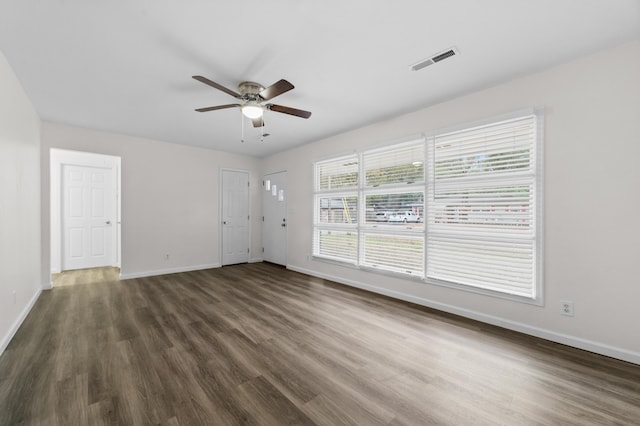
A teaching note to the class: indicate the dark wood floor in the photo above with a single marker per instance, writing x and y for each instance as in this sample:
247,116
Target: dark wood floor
257,344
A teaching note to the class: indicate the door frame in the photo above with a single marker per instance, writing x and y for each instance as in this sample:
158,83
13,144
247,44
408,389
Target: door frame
220,211
60,157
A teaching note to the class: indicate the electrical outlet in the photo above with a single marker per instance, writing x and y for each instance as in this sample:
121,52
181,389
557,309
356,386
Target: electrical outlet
566,308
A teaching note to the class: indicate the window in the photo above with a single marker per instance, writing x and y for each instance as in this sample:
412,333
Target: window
481,219
335,234
392,234
476,192
378,221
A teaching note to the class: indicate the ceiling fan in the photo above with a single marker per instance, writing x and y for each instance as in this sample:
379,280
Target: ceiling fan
252,96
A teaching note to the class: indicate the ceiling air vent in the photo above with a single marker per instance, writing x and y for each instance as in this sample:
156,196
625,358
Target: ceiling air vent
440,56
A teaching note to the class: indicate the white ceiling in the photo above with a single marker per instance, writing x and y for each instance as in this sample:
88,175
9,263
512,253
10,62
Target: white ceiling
125,66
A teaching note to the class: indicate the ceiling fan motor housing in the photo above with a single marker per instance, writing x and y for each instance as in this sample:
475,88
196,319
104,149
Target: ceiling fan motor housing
250,89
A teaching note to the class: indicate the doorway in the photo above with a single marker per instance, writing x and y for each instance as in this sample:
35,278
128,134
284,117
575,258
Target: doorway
235,217
85,210
274,210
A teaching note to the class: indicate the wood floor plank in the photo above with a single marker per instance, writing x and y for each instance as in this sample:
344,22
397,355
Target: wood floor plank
257,344
269,406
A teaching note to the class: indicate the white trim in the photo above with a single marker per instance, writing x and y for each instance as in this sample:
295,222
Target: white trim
539,112
484,121
156,272
565,339
255,260
18,322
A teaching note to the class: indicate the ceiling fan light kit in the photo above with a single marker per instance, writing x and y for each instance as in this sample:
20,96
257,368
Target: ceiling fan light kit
252,95
252,110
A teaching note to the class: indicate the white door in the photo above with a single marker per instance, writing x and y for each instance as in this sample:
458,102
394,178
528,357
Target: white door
274,209
88,215
235,217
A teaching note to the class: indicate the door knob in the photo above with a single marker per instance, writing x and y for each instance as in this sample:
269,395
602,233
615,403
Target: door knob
108,222
224,222
284,225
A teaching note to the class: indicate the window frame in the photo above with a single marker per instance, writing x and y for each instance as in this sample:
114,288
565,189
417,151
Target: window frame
361,191
538,197
383,230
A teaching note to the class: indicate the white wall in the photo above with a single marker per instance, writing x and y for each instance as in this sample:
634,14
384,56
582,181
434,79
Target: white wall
19,204
170,199
592,201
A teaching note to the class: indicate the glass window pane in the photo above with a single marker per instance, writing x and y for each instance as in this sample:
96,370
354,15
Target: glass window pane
499,207
394,208
338,209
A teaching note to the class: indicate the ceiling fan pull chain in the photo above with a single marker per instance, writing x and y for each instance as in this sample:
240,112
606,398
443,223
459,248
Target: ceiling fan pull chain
241,127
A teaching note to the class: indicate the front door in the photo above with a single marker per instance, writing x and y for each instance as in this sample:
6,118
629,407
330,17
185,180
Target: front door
274,208
235,217
88,215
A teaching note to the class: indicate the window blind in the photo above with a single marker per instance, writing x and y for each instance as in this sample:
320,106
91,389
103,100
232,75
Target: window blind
339,173
403,164
392,236
481,221
336,245
335,234
506,147
398,252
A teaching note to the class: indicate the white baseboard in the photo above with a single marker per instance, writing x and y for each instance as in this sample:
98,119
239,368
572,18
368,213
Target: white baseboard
156,272
576,342
16,325
255,260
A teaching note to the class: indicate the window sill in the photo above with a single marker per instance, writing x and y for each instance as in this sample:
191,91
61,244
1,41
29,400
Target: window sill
538,301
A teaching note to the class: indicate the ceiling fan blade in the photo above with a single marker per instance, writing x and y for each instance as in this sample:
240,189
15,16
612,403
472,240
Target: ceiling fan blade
289,110
217,86
276,89
258,122
213,108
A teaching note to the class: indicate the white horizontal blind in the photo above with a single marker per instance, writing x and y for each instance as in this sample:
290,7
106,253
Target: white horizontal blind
504,266
505,147
335,235
336,245
403,164
481,221
392,231
339,173
395,252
